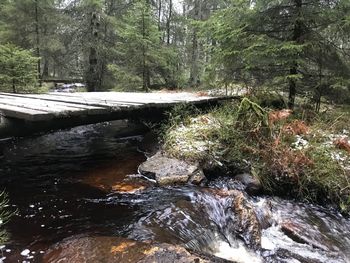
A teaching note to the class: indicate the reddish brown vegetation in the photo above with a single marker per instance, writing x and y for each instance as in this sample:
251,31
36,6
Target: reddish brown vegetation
286,162
275,116
342,143
296,127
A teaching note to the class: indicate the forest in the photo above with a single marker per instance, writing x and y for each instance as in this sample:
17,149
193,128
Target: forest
299,47
259,172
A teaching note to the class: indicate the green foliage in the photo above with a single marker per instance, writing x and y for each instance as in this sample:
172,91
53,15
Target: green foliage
142,56
18,69
258,44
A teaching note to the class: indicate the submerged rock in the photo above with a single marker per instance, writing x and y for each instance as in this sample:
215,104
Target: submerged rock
115,249
132,184
167,171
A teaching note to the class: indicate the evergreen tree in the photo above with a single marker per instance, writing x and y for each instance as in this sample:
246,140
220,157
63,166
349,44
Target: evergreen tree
18,69
285,43
142,57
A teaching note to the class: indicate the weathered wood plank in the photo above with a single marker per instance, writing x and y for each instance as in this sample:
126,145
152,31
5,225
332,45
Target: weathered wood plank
63,105
79,100
57,109
23,113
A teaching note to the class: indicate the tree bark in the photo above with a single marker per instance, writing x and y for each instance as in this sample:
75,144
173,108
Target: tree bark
168,23
93,76
297,34
37,40
145,70
194,70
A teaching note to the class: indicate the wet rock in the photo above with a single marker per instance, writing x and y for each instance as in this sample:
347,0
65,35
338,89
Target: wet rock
115,249
263,211
197,178
300,234
166,171
246,222
251,183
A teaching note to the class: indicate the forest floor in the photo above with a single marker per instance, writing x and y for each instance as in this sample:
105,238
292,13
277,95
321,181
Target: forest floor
300,154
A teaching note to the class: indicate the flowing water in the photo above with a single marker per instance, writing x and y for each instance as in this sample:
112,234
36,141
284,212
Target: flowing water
67,184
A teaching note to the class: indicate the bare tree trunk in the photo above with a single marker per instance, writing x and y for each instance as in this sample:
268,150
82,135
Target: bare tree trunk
37,40
168,23
159,14
194,70
14,90
297,34
93,81
45,70
145,70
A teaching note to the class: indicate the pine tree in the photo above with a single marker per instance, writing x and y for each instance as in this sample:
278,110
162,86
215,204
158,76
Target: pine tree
141,54
18,69
282,43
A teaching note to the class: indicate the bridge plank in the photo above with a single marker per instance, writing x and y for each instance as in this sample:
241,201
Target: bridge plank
62,105
50,107
24,113
81,101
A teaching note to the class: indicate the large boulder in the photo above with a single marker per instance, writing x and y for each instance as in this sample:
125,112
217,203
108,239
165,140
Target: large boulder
167,171
117,250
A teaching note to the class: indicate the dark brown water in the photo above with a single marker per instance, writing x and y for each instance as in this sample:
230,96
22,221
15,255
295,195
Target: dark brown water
65,184
51,178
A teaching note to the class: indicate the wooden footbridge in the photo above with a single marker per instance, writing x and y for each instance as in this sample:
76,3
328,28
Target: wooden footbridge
27,113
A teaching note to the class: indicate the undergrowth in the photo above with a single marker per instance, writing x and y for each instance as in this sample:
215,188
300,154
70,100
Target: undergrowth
295,154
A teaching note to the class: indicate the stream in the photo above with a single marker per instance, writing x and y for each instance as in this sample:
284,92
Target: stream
67,184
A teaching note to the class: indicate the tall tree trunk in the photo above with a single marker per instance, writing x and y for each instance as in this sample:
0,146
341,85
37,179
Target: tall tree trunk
93,76
14,90
168,23
145,70
45,70
159,14
37,40
297,34
194,70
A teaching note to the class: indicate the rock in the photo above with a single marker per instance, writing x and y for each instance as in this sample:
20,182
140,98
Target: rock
244,217
303,235
197,177
115,249
166,171
251,183
263,211
246,222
